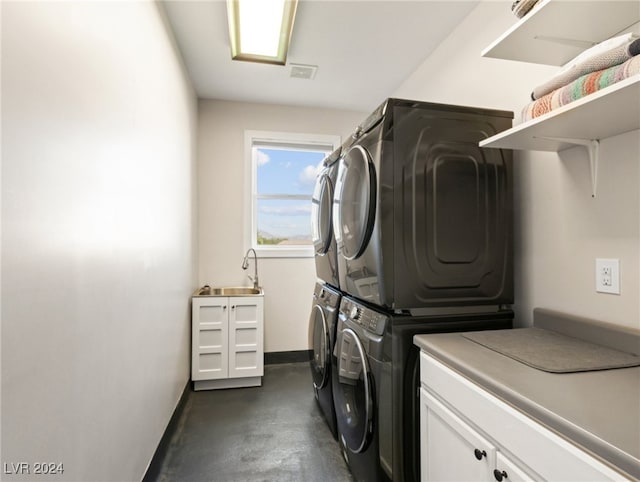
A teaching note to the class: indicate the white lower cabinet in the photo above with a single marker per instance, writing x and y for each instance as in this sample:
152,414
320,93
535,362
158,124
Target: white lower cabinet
227,342
444,434
469,434
509,470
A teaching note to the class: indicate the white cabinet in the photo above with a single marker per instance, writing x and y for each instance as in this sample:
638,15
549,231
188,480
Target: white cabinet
227,342
508,470
469,434
444,434
452,450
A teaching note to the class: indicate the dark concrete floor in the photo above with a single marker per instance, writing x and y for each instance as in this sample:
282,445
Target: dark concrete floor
275,432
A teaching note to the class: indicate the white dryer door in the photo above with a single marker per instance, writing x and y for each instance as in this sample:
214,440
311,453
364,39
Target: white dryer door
354,203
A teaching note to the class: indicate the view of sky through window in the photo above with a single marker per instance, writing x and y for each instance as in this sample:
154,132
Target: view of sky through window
285,182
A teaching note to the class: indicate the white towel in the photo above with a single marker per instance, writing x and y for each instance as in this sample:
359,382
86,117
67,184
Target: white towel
597,49
599,61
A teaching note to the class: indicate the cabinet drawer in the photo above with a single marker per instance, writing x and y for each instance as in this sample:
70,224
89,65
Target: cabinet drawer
551,456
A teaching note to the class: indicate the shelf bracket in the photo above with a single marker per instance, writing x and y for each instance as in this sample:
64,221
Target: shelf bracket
593,148
581,44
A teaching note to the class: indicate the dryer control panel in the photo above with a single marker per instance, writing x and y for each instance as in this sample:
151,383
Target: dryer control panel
326,296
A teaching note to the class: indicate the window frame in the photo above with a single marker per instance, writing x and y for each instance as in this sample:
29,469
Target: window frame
276,139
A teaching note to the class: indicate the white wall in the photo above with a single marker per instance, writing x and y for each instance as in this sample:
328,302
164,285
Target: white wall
288,283
560,229
98,235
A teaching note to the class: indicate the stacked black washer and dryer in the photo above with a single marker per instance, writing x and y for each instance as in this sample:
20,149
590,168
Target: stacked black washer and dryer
423,243
327,294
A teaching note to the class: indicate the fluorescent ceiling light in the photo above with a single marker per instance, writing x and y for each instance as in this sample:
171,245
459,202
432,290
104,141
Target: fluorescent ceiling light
260,30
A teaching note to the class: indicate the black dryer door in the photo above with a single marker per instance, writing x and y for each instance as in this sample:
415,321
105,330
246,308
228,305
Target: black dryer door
353,396
320,344
354,203
321,206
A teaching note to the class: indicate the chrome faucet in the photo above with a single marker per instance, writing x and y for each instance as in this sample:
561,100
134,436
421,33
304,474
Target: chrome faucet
245,265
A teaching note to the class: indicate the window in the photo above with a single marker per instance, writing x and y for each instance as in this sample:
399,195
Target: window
282,170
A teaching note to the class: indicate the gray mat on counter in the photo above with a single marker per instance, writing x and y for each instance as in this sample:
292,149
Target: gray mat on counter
552,352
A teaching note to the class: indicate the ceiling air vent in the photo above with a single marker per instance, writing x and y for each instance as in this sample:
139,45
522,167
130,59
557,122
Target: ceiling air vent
301,71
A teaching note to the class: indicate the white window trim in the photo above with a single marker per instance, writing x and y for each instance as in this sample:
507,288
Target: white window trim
250,187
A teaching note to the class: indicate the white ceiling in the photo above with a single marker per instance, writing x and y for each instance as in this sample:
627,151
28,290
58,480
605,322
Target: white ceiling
364,49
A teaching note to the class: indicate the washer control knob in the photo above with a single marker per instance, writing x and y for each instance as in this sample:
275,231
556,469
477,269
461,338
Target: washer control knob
354,312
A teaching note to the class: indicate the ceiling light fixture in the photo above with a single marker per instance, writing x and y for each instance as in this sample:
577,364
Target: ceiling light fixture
260,30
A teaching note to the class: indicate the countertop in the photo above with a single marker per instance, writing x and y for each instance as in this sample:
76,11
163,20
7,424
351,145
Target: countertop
599,411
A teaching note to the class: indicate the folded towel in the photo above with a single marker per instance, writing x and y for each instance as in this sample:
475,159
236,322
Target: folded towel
581,87
521,7
599,48
600,61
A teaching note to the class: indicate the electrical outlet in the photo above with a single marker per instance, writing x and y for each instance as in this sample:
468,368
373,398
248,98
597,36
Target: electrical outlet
608,276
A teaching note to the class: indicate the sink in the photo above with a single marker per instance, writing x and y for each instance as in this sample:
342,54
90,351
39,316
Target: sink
228,291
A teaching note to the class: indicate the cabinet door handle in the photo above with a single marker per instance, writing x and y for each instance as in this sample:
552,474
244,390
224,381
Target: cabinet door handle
500,475
479,454
224,307
233,307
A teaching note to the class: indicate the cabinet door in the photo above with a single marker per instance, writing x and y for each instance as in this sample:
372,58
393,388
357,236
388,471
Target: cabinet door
246,358
450,449
209,338
509,471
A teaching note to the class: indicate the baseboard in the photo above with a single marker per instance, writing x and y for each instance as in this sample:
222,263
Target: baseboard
277,357
153,471
243,382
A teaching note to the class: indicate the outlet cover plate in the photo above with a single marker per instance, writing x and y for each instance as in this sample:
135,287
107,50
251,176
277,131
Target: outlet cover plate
608,275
